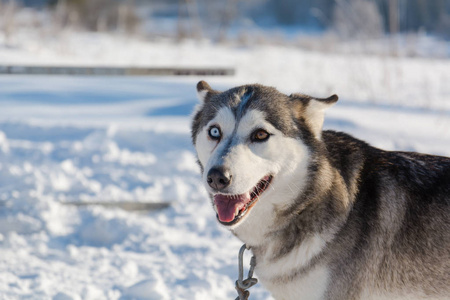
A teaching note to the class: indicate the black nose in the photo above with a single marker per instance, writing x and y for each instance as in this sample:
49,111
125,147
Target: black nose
219,178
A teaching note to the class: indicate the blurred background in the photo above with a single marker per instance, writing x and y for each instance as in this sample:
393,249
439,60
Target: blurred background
100,193
308,24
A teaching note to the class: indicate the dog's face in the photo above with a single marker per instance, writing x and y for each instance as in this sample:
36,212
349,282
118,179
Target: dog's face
253,144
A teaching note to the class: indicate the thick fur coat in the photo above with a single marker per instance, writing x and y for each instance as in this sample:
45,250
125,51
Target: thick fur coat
326,215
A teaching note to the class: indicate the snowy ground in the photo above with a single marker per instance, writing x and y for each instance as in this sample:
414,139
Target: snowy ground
65,139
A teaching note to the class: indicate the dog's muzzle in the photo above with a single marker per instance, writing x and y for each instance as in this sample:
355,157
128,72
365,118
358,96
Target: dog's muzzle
231,209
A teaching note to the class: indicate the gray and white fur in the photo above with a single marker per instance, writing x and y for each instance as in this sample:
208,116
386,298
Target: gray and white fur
326,215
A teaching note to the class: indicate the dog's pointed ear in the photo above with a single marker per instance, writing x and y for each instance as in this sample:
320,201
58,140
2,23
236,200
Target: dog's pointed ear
312,110
203,89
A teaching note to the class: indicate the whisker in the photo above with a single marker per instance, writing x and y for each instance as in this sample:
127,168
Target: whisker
289,186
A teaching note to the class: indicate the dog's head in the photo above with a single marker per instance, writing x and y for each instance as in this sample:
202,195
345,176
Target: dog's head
253,145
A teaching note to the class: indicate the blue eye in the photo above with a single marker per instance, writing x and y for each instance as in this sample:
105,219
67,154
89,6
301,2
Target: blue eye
214,133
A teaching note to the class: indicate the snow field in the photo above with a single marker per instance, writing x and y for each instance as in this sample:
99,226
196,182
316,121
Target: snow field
85,149
96,253
418,82
69,139
53,155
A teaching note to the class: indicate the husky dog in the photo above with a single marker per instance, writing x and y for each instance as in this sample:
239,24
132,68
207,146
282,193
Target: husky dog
326,215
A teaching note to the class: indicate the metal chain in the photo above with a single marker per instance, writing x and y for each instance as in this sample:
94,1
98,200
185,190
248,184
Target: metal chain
243,285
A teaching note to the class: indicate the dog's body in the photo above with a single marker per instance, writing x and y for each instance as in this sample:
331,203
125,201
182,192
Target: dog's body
326,215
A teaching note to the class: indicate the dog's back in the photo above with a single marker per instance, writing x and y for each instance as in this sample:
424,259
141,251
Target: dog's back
396,241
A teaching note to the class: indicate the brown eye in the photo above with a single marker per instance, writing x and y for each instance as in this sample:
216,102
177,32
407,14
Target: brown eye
260,135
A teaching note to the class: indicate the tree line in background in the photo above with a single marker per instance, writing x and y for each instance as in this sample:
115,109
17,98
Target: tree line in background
396,15
348,18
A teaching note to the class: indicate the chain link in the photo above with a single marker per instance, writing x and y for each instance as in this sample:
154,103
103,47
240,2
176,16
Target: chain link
243,285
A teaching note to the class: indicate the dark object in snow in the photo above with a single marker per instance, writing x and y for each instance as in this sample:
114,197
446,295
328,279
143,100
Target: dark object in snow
129,206
114,71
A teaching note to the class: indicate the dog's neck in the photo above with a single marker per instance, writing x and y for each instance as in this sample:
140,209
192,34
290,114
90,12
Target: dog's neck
319,211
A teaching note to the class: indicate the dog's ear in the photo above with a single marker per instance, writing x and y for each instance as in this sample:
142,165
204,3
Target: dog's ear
312,110
203,89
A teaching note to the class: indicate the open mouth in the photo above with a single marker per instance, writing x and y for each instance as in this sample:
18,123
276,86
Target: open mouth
232,208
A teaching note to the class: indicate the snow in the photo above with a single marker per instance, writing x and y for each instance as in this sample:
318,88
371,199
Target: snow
85,139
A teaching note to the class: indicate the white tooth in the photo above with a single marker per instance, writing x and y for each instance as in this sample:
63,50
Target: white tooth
215,208
236,212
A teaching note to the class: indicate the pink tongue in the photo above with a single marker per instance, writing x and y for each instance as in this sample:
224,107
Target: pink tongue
226,205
